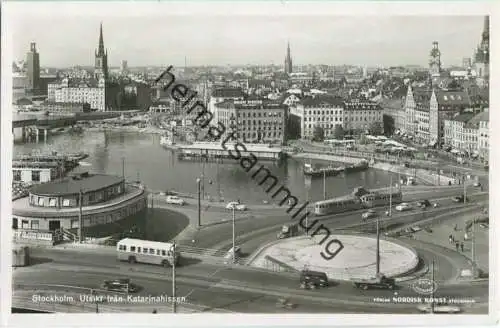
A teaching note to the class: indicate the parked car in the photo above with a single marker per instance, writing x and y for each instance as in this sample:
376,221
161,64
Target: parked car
368,214
460,199
175,200
120,285
403,207
313,279
381,282
237,206
477,184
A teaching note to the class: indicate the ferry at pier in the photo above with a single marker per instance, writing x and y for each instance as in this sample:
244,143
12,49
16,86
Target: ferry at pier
329,170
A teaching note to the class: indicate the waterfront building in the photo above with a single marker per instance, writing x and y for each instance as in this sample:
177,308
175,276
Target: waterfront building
256,121
222,94
395,109
55,206
324,111
64,107
468,132
484,133
33,68
444,105
361,115
89,91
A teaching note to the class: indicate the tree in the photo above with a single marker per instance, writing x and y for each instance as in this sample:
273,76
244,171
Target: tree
318,133
389,125
339,132
376,129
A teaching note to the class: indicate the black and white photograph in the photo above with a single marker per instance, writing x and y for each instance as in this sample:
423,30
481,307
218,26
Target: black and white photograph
182,161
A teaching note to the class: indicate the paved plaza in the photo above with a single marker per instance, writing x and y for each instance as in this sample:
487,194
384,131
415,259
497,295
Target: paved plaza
356,260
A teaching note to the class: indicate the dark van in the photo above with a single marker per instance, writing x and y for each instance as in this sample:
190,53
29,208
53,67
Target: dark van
313,279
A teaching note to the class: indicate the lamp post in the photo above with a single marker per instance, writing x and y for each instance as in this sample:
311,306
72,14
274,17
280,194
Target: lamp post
80,216
234,237
378,249
198,182
174,256
324,185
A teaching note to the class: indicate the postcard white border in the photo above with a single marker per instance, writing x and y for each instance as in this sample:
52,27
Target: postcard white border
283,8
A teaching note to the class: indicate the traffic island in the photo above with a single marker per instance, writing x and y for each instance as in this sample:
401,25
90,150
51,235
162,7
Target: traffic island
357,260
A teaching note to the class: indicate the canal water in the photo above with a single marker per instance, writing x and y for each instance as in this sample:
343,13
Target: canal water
159,169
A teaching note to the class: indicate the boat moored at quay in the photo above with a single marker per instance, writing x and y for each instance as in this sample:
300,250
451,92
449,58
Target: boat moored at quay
208,151
331,170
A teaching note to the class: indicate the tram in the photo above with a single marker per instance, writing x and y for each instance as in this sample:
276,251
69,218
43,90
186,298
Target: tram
353,202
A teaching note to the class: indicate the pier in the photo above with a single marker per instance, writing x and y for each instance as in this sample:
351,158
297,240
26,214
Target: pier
206,151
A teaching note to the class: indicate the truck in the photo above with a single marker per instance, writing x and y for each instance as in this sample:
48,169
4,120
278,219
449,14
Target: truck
288,230
381,282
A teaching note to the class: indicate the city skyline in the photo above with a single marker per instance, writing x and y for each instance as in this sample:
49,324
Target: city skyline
248,41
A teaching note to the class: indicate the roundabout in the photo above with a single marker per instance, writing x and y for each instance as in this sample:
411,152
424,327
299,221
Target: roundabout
357,259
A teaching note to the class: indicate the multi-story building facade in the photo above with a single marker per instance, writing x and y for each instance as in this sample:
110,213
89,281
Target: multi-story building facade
256,121
484,134
444,105
395,109
326,112
222,94
360,115
90,91
468,132
62,107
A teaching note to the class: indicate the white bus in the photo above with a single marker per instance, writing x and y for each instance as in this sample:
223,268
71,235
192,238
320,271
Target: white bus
145,251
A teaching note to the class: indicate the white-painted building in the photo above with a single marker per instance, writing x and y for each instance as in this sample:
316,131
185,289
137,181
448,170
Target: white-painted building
326,112
89,91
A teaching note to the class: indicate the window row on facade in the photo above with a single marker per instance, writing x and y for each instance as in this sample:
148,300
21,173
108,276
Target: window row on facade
73,200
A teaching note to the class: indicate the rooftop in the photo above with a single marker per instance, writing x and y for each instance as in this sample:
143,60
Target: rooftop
228,93
452,98
250,104
464,117
481,117
71,186
322,100
218,146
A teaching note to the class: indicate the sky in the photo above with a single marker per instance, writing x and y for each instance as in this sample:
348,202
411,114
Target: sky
64,40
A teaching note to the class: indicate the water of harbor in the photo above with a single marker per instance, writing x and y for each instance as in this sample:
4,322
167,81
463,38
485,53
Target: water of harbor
159,168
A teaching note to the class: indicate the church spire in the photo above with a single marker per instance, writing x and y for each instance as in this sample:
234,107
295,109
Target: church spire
100,51
288,60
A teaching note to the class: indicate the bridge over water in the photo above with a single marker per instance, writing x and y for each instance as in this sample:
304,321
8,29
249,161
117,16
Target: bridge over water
35,123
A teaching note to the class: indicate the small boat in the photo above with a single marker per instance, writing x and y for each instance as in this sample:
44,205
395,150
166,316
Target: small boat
84,164
322,171
168,143
361,166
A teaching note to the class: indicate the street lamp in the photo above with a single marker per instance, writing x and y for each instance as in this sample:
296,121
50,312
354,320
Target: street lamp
234,239
174,256
198,182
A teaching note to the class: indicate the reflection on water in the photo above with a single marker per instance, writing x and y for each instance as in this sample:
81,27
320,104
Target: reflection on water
159,168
